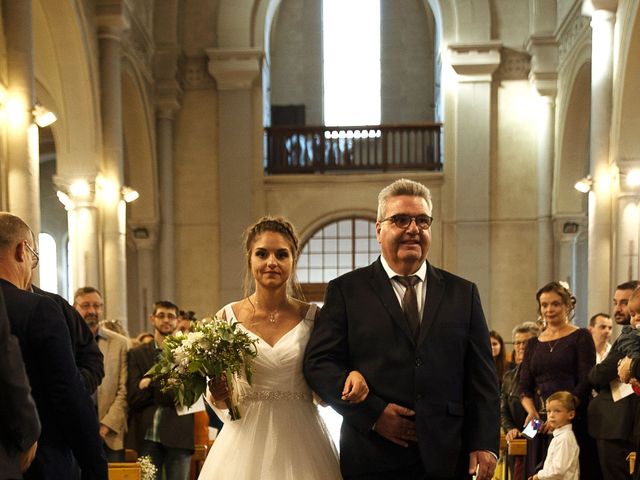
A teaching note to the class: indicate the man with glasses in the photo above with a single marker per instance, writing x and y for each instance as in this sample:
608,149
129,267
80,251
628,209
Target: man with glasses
419,337
155,428
67,414
111,396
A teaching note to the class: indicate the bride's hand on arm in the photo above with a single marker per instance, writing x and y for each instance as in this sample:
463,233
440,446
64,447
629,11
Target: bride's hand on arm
219,391
355,388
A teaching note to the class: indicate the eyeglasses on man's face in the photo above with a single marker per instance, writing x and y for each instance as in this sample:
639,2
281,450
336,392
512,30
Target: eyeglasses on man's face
88,305
165,316
35,256
402,220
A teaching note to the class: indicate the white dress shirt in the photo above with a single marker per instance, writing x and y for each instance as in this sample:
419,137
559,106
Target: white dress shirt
600,358
562,458
399,289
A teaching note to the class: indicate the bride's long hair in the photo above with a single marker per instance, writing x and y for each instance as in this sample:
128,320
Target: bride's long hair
287,230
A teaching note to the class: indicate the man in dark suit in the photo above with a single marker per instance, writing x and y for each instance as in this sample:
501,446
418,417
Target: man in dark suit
155,428
67,414
19,424
419,337
612,423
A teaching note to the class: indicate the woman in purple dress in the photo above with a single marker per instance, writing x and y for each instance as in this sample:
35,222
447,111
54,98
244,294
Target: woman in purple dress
559,359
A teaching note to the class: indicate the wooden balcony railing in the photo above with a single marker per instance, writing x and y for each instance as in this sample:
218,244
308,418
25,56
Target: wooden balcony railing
306,149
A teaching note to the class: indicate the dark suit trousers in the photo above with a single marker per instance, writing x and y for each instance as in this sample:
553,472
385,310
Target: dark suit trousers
613,458
412,472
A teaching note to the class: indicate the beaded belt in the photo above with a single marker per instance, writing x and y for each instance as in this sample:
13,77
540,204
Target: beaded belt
274,395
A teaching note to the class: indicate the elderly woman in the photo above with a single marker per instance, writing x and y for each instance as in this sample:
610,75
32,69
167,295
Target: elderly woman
559,359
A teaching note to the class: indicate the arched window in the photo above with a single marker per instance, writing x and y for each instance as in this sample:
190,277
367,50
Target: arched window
48,263
333,250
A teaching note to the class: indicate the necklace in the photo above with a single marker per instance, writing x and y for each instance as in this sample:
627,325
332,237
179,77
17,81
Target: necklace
272,315
551,347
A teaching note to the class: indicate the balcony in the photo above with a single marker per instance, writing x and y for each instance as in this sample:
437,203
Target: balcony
361,149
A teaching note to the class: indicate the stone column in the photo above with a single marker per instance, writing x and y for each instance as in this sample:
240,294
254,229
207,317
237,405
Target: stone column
240,156
112,21
82,219
166,176
627,237
145,239
23,165
474,63
543,75
600,198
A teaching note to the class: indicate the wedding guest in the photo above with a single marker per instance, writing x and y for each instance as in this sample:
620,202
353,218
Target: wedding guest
419,337
155,428
184,320
111,396
67,414
499,354
601,326
512,413
280,434
559,359
144,337
562,457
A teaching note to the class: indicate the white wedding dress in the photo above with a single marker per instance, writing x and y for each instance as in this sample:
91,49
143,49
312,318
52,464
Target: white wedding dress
280,435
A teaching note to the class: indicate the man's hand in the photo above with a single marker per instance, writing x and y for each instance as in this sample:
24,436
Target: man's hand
27,457
482,464
624,369
512,434
395,427
144,383
355,388
104,430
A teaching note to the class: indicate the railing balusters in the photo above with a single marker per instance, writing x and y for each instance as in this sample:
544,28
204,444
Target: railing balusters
307,149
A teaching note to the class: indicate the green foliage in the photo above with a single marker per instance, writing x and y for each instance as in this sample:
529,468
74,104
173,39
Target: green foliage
213,347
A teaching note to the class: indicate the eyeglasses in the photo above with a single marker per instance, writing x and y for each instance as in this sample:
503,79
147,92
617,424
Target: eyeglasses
165,316
35,256
95,306
402,220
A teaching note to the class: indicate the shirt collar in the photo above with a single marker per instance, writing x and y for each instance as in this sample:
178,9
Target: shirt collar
421,273
100,333
564,429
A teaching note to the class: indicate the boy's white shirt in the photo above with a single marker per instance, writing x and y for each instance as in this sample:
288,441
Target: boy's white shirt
562,458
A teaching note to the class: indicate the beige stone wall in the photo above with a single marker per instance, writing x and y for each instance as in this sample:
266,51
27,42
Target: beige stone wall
196,203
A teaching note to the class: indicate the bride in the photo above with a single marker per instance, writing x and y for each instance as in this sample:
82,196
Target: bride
280,434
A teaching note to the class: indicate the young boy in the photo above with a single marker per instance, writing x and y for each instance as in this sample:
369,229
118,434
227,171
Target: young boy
562,458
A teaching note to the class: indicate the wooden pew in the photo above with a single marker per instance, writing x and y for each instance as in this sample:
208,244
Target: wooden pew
125,471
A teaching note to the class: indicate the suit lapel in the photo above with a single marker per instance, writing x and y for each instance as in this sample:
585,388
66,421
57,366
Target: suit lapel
381,285
435,291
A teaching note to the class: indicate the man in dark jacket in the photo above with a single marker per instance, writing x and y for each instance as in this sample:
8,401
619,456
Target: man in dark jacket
68,416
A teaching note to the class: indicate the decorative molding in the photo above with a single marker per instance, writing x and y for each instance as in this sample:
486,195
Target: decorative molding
592,5
514,65
573,29
235,69
193,73
475,62
544,64
112,17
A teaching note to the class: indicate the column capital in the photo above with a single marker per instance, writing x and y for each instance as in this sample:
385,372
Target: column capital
475,62
77,191
113,17
168,98
544,64
235,68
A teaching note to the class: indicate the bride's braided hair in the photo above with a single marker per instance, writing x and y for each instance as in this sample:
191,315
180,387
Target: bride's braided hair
286,229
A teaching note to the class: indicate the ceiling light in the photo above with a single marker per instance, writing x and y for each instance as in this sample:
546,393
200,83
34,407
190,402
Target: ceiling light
129,194
584,184
43,116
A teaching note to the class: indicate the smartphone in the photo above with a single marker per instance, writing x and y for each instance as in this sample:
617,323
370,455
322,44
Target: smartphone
532,428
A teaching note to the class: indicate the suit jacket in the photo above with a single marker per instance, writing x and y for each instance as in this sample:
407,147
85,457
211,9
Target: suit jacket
19,423
512,413
86,352
67,414
448,377
175,431
609,420
112,392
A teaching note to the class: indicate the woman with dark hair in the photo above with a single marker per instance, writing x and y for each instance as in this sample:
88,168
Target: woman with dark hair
559,359
499,354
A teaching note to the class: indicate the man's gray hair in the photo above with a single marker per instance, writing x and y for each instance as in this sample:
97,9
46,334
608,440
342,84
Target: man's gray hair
400,187
13,230
526,327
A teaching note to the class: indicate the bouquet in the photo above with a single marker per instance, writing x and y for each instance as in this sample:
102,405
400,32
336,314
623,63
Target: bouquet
214,348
